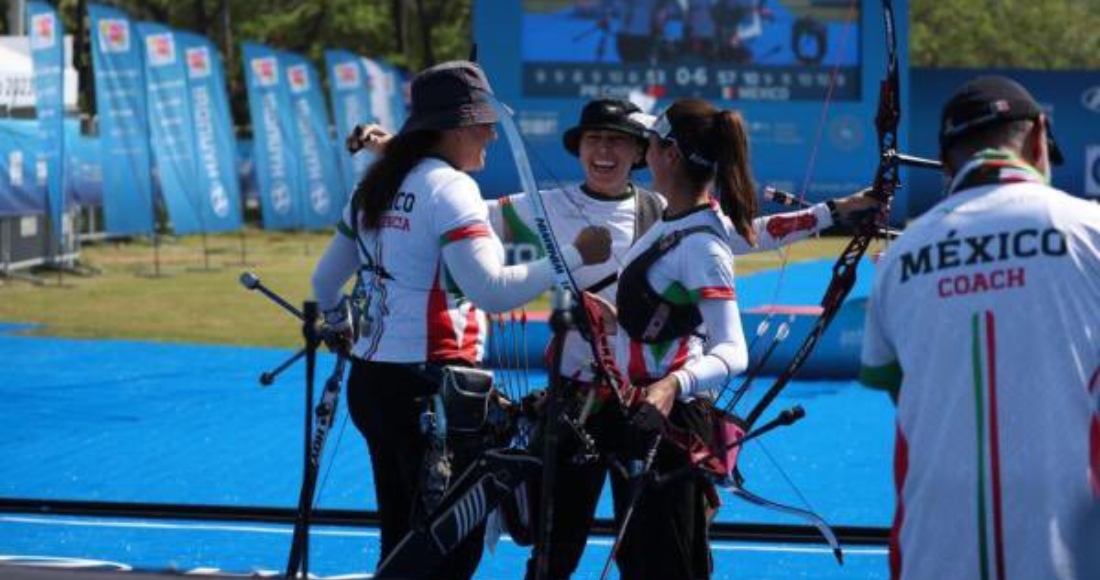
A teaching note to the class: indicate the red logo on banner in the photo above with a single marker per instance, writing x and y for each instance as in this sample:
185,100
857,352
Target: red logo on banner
161,49
299,79
43,29
198,62
347,75
266,71
114,35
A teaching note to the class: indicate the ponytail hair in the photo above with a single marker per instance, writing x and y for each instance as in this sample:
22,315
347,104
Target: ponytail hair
733,180
376,191
714,145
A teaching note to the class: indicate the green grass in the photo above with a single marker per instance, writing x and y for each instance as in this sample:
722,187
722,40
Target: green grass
191,304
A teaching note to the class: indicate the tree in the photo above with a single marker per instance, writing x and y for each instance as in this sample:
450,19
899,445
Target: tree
1038,34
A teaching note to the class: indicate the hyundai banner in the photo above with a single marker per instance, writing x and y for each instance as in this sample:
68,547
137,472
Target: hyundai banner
349,90
123,123
273,135
319,174
170,126
48,56
215,151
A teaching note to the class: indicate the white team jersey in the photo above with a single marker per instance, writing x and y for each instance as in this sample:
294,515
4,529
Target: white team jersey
700,267
988,310
415,311
570,210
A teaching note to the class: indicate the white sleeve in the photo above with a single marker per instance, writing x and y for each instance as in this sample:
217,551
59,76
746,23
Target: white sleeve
879,366
496,217
477,266
776,231
726,353
457,204
336,266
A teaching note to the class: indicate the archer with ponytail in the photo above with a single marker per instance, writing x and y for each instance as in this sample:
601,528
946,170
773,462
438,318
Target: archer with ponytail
680,330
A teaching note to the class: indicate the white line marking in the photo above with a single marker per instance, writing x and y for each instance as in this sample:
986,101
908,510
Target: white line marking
343,533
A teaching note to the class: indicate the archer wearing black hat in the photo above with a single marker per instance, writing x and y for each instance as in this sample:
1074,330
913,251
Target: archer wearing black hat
984,324
609,142
416,234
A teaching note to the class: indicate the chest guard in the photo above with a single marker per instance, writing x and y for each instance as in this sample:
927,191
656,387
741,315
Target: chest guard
645,314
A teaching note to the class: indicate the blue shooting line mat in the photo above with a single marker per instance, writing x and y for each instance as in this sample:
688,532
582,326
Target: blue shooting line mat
129,421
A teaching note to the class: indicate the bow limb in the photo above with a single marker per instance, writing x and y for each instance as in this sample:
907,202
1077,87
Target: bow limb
563,278
885,183
817,521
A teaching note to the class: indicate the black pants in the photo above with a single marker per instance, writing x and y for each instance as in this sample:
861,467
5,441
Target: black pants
577,489
667,536
384,403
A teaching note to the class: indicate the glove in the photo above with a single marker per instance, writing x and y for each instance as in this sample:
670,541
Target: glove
336,330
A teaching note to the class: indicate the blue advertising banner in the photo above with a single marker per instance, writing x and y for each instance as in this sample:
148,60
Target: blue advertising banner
381,95
123,122
169,108
85,166
804,75
19,192
274,138
319,173
217,186
395,89
48,56
349,90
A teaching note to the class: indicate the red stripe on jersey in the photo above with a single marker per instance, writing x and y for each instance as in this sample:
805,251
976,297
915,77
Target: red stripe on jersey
636,366
467,232
994,445
718,293
1094,435
471,338
441,332
681,357
901,470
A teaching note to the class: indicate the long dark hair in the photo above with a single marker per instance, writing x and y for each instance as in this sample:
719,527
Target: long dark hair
715,146
378,188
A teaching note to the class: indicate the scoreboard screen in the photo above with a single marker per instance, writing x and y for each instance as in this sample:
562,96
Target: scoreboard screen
771,50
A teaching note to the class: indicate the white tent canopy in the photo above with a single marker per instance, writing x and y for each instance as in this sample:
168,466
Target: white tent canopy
17,72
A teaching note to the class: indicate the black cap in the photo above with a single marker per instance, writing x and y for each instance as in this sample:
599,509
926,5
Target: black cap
450,95
606,115
986,101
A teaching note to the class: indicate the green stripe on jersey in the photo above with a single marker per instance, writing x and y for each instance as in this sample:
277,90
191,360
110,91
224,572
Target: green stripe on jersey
979,424
887,377
521,234
345,229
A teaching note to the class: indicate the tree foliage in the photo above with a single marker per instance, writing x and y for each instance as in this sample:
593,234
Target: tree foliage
1036,34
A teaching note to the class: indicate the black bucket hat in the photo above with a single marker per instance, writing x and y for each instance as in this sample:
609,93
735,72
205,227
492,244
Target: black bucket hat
607,115
986,101
450,95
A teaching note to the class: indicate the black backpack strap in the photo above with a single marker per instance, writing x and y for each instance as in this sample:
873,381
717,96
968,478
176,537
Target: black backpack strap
648,212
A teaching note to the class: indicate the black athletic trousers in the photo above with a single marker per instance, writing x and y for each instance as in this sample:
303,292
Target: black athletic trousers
576,491
667,537
383,403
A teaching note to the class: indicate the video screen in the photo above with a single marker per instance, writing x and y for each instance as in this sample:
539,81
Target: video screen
756,50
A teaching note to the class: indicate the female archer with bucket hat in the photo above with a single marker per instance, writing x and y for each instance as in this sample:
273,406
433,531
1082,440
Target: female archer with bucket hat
416,232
